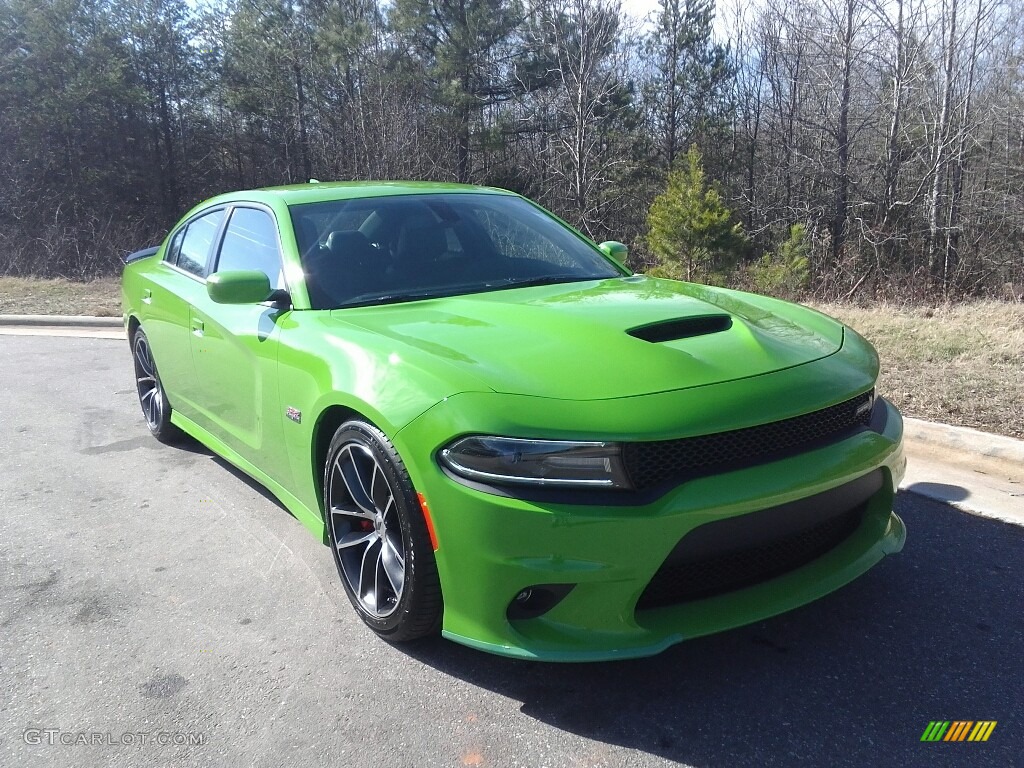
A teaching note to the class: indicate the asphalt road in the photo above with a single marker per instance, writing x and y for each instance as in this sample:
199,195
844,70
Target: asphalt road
152,594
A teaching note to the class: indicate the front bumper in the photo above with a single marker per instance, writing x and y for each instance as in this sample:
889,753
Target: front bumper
491,547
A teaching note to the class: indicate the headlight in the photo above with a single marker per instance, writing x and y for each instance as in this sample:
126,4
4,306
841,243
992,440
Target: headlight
536,462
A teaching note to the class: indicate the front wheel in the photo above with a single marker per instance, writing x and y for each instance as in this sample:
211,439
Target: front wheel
378,536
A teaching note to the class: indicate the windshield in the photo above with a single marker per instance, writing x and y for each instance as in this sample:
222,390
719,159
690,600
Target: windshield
401,248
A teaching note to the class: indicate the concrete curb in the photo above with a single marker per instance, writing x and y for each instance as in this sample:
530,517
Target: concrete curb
965,440
56,321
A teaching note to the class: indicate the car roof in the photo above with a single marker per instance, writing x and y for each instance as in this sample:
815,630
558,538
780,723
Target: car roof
315,192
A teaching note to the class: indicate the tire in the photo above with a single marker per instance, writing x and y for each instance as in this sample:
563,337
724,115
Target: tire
378,537
152,398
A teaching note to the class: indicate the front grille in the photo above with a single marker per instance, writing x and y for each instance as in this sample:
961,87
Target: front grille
737,552
652,463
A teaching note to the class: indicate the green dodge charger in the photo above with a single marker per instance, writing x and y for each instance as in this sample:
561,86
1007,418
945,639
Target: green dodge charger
502,434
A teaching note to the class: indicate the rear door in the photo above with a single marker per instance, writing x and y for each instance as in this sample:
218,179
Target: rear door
234,347
166,299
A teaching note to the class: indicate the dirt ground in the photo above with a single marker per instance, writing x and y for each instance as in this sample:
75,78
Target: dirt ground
960,364
26,296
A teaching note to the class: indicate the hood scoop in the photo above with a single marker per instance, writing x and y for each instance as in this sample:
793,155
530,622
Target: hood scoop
682,328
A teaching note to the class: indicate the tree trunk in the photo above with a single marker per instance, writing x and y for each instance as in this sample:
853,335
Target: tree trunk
842,192
952,254
935,264
170,169
893,151
300,115
462,135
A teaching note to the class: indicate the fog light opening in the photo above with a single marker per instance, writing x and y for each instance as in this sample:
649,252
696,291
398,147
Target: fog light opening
531,602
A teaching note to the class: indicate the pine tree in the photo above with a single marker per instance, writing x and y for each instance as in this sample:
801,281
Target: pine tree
457,45
785,273
686,88
690,230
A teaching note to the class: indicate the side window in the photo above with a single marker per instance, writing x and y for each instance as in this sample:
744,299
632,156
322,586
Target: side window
250,242
195,246
171,255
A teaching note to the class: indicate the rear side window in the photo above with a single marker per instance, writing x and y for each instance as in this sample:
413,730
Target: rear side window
171,257
250,242
195,245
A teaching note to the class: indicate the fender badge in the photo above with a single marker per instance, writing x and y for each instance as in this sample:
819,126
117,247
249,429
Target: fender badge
294,414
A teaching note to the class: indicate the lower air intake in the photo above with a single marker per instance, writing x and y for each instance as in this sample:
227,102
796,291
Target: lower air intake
738,552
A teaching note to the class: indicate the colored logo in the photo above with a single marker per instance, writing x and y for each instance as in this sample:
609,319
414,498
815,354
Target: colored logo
958,730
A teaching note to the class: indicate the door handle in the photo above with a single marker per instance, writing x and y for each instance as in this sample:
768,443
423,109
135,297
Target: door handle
147,296
197,326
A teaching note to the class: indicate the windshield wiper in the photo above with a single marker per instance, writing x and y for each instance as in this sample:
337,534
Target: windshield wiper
370,299
390,298
533,281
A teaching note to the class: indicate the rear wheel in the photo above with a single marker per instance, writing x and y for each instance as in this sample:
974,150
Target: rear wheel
152,398
378,536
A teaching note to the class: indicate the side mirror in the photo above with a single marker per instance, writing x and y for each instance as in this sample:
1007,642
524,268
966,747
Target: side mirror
241,286
615,250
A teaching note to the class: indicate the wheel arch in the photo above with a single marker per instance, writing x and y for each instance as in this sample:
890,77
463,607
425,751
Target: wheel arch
333,414
326,424
427,611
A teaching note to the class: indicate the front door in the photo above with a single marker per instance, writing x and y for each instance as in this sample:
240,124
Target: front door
234,347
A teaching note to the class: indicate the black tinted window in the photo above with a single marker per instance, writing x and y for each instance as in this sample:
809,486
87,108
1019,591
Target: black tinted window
250,242
171,256
195,246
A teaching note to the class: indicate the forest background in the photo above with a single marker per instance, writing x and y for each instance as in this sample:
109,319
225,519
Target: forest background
835,149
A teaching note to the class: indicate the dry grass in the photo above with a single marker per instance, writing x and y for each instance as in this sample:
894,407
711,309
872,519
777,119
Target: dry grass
24,296
961,364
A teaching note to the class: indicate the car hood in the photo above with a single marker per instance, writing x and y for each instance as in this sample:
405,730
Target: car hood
573,340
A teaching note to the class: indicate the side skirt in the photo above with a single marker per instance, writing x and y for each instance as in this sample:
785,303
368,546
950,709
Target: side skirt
300,511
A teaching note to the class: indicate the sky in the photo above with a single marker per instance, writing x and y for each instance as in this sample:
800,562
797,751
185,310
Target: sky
641,9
